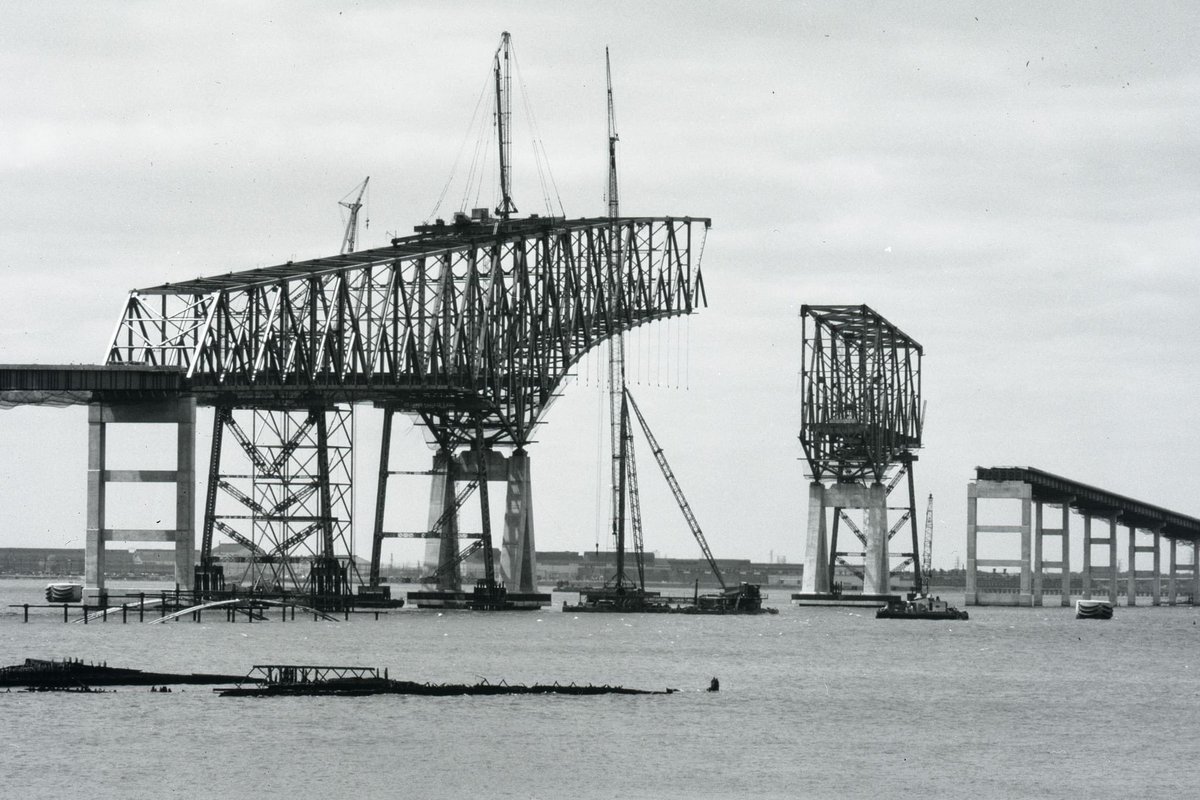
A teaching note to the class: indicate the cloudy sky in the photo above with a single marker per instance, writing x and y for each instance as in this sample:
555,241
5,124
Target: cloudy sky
1017,186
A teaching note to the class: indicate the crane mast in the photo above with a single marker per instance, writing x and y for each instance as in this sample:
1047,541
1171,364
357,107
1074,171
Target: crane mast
350,238
503,123
613,203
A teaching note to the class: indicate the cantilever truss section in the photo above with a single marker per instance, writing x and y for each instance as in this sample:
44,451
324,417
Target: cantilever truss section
280,488
861,393
479,318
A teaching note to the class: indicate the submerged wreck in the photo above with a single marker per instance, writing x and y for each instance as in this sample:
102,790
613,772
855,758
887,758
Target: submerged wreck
292,680
75,674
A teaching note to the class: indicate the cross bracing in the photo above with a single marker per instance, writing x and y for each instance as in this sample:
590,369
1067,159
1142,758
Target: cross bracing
479,319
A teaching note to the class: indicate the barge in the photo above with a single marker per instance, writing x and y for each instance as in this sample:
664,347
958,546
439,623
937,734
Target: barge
922,607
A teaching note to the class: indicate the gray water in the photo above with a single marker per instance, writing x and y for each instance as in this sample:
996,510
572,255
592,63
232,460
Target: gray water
814,703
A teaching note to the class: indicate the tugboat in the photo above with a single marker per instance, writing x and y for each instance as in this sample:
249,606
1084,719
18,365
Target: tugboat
920,607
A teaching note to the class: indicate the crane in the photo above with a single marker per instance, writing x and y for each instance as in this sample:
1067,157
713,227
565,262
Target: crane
676,490
927,550
503,123
350,237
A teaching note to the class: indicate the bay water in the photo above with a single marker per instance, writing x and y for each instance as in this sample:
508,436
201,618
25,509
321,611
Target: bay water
814,703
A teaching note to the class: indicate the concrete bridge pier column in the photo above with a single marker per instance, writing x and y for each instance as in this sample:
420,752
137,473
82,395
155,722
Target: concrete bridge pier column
816,550
180,412
972,590
441,498
1172,588
1038,533
519,553
1196,573
1131,576
1025,597
1086,589
1066,554
1156,581
877,573
1112,559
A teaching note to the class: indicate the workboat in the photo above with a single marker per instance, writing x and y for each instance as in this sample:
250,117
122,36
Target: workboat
1093,609
919,607
291,680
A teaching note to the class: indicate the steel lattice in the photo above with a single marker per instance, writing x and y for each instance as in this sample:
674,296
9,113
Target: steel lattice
472,319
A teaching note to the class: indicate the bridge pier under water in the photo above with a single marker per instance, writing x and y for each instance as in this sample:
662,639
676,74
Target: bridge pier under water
1100,575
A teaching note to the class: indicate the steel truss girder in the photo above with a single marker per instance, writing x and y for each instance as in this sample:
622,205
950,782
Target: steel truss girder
860,393
482,319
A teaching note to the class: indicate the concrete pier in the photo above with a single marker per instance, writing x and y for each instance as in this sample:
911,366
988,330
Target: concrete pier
518,556
1005,490
180,412
1145,528
837,496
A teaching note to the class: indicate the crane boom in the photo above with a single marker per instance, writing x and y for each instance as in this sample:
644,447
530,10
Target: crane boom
927,549
350,238
503,123
676,490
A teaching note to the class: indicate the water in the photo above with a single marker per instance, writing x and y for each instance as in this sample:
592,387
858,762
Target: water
814,703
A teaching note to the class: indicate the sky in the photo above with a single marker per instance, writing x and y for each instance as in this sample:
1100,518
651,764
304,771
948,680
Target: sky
1016,186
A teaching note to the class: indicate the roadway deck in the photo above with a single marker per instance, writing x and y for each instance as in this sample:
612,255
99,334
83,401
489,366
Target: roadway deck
1093,502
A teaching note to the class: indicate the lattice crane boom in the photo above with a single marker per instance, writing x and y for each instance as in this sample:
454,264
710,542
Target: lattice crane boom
927,548
669,474
350,238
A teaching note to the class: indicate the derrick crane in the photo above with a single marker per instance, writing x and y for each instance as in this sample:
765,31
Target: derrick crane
350,238
613,204
927,550
676,490
503,123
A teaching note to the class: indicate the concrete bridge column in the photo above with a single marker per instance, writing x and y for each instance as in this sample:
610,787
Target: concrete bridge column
1086,589
1131,577
441,497
1112,559
1038,533
1156,581
1025,598
182,413
1066,554
972,589
519,553
877,573
816,548
1196,573
1172,589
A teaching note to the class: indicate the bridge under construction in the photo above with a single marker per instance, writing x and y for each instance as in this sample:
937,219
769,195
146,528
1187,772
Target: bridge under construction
470,326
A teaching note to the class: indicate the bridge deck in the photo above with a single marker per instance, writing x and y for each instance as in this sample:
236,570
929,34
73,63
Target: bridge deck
1090,501
70,384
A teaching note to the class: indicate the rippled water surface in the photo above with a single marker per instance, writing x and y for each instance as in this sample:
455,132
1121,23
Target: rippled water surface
814,703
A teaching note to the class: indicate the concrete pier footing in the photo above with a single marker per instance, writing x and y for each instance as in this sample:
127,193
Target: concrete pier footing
872,499
182,414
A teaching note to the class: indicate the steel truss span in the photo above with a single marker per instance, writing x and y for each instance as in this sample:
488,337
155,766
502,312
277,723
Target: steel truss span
861,390
471,320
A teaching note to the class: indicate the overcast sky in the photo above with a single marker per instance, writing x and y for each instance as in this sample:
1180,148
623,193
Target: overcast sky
1015,185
